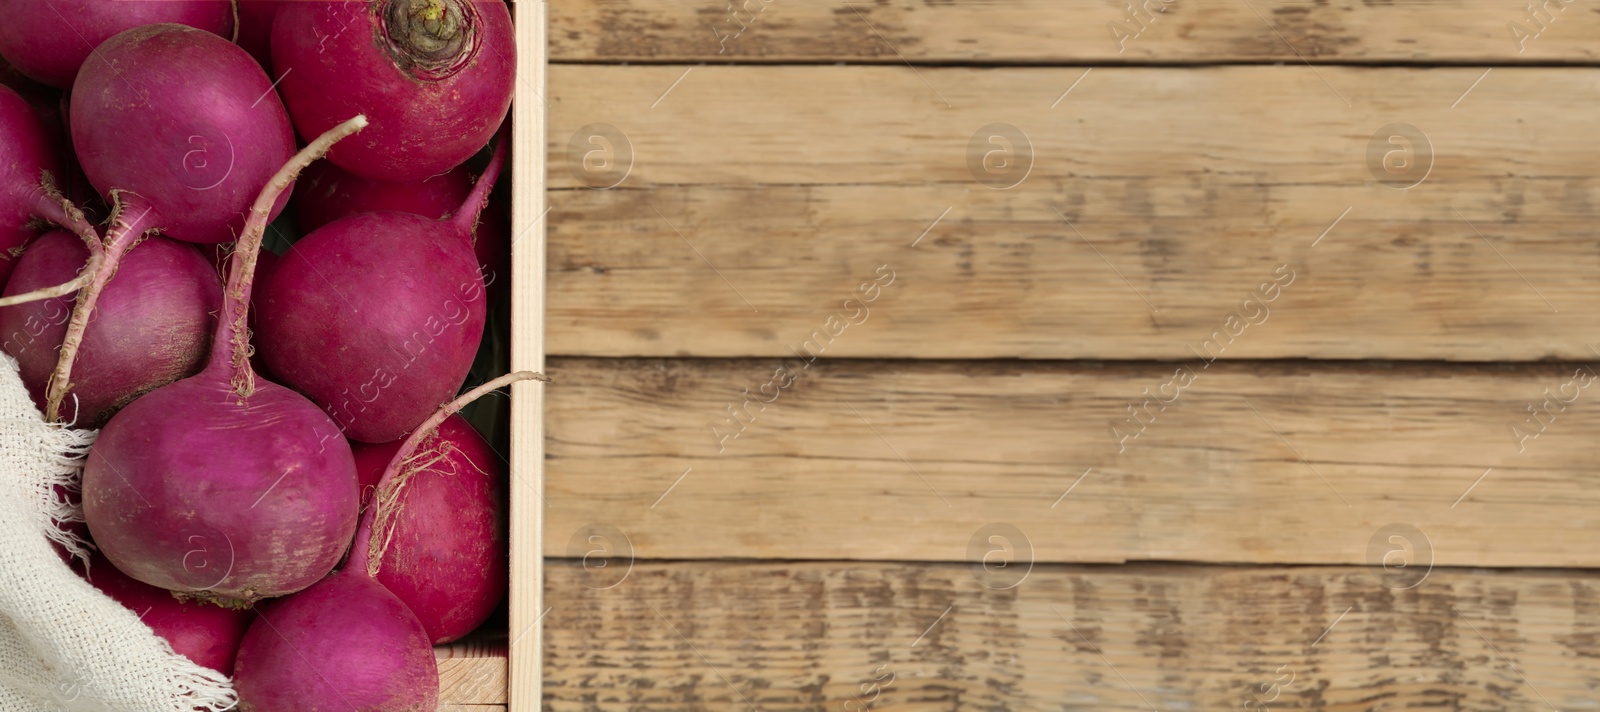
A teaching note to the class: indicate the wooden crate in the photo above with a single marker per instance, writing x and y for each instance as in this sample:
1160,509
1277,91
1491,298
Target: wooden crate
1222,402
496,669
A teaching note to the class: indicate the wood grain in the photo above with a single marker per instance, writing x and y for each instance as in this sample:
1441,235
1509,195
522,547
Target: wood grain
808,636
472,671
759,198
527,354
1064,31
1258,462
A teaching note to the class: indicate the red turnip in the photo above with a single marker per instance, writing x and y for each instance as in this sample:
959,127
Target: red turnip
210,131
26,155
207,635
445,528
29,166
327,192
171,488
436,76
377,317
50,40
344,644
152,326
185,121
255,28
348,642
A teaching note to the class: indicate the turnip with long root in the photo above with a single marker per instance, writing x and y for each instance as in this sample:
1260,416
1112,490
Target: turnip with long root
212,130
377,317
152,325
436,76
441,543
171,489
349,642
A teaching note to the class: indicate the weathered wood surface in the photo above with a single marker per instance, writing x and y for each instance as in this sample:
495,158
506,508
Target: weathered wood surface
758,199
810,636
1088,31
1259,462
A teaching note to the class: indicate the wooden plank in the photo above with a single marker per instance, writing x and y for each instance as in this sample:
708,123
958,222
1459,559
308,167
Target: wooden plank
472,671
814,636
1067,31
527,353
758,199
1256,462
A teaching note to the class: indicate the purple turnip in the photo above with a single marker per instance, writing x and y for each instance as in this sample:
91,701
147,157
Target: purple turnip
444,522
50,40
436,76
171,489
255,28
348,642
344,644
377,317
152,326
205,634
211,132
29,167
326,192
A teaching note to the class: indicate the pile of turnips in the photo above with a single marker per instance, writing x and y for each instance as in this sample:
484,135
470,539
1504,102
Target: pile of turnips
301,508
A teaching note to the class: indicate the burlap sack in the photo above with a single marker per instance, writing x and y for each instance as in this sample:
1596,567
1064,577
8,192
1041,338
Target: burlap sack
63,644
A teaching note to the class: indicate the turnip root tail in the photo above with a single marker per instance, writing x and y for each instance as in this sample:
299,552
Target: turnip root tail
131,218
466,217
52,207
367,554
231,345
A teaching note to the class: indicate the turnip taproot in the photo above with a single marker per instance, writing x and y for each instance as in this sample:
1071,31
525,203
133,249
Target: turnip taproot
152,326
436,76
50,41
444,550
225,486
348,643
377,317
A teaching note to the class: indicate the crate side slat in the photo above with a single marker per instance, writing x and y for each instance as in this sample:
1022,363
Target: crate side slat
527,353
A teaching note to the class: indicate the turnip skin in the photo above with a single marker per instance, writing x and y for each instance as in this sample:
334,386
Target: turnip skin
152,327
171,490
171,487
344,644
50,41
446,557
434,97
376,318
210,130
26,155
326,192
207,635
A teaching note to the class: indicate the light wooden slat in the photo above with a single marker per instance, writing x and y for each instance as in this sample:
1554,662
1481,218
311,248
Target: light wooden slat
472,671
908,461
526,594
1045,31
807,636
759,198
